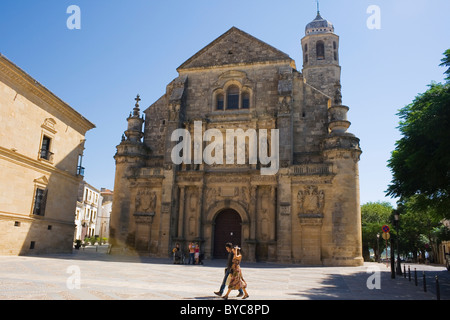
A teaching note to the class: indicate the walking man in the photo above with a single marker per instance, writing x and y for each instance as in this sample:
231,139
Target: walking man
228,247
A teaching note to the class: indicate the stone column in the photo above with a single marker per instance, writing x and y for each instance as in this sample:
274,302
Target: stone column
272,244
251,242
181,213
284,219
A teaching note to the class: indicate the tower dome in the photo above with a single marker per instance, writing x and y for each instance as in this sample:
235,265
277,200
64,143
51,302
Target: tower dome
319,25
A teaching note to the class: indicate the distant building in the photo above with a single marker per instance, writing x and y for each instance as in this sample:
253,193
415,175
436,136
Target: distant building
104,213
88,205
41,144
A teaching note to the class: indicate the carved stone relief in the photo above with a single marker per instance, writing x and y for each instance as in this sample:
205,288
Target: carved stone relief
146,201
311,200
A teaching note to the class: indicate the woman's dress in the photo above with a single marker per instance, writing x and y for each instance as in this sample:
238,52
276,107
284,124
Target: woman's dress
237,280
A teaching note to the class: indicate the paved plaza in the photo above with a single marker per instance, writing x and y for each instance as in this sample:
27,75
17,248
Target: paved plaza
92,274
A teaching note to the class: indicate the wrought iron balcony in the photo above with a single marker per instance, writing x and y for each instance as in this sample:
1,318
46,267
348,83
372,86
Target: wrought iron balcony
80,171
46,155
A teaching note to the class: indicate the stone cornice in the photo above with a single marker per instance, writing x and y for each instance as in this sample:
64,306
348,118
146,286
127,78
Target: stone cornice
40,166
21,78
237,65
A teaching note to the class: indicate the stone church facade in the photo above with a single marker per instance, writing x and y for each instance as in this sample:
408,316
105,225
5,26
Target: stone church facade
307,212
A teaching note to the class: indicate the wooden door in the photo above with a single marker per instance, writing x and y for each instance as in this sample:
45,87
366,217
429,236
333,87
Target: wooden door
227,228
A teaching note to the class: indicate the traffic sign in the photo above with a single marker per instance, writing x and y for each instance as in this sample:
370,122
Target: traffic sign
386,235
385,228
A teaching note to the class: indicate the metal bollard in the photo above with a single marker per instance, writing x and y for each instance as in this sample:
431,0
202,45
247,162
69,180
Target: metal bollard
409,273
415,276
424,282
438,291
404,271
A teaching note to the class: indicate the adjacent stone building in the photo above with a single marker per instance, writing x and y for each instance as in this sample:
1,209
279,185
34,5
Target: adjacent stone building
306,211
41,144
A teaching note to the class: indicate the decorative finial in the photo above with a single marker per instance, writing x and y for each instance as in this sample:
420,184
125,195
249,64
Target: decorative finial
318,9
138,98
337,93
136,107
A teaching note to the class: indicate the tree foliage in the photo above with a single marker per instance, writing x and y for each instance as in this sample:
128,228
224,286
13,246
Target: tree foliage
373,216
420,163
421,229
446,63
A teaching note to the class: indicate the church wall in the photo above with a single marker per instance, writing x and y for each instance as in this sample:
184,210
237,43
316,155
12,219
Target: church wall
262,80
155,129
345,212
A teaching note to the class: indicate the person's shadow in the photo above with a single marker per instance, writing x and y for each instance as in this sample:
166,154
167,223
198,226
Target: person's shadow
206,298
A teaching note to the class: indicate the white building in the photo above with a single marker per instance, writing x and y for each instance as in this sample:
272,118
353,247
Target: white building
88,204
104,213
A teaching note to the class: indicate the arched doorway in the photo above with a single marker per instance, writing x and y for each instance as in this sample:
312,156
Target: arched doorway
227,228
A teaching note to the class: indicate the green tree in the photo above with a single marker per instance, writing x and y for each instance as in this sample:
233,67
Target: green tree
418,228
373,216
420,163
446,63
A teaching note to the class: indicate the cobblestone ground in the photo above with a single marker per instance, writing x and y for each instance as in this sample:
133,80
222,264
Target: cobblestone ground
91,275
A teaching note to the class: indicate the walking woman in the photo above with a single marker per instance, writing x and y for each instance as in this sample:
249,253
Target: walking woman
237,280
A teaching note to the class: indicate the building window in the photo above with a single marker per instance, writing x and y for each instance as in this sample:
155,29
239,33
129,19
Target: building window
45,149
220,101
80,168
320,50
245,100
40,199
233,98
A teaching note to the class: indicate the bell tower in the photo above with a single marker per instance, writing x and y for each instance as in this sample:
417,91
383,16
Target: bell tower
320,47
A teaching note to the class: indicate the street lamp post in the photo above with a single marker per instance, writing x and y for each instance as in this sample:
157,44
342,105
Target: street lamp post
397,227
378,247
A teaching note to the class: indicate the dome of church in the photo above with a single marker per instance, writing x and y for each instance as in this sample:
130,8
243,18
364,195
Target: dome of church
319,25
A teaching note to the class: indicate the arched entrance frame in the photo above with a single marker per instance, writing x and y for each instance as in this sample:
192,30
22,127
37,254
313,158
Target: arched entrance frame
213,211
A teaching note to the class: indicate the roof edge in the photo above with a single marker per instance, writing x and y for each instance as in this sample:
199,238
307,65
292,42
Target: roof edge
88,125
232,29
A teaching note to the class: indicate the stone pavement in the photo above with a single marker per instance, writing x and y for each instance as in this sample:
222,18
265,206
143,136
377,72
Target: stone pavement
91,275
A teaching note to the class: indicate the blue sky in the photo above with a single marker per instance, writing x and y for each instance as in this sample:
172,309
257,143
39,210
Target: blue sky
128,47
